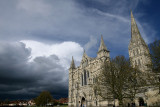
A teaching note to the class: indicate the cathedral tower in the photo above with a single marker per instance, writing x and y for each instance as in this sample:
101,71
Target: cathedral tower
103,53
70,93
138,49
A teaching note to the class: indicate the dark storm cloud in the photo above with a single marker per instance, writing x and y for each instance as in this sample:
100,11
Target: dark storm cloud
20,77
61,20
57,21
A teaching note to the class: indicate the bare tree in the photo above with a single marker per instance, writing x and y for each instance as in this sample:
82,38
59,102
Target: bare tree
118,80
155,55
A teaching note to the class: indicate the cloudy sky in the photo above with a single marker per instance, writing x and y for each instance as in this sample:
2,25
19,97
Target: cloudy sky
39,37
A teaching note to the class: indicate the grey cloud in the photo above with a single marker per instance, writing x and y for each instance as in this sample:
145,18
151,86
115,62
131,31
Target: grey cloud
58,20
91,43
73,20
20,77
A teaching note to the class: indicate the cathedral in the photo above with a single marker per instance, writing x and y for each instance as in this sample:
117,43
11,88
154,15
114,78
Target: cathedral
82,77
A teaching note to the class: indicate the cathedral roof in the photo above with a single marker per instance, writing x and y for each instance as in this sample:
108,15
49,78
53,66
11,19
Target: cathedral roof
102,45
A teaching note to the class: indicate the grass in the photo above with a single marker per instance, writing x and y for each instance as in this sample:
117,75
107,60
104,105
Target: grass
50,106
63,106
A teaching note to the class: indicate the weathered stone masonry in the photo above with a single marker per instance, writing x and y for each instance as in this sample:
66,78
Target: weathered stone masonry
82,77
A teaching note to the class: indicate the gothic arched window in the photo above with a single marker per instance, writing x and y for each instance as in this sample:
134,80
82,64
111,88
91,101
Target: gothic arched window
82,79
135,62
133,53
137,51
85,78
95,92
88,74
93,80
139,62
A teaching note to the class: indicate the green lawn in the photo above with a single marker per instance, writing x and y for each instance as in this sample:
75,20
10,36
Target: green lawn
63,106
50,106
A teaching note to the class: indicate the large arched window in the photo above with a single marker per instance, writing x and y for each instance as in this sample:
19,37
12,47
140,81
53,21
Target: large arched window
85,77
82,79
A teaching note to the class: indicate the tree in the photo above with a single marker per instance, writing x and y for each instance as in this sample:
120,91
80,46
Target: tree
137,82
6,101
155,55
118,80
1,102
44,98
55,102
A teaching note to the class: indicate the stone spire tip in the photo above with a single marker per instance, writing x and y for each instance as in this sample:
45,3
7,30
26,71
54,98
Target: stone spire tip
72,66
84,51
131,14
102,45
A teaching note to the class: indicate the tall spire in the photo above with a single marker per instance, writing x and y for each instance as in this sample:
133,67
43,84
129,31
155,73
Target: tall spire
102,45
131,14
138,49
72,66
135,34
134,28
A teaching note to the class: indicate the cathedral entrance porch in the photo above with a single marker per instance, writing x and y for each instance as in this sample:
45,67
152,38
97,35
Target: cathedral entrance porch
141,101
83,102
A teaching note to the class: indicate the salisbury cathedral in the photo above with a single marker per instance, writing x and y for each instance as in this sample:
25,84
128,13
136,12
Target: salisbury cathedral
82,77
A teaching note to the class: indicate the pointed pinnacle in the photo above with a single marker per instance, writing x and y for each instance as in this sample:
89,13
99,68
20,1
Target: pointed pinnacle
134,27
133,22
72,64
72,58
131,14
102,45
135,31
84,51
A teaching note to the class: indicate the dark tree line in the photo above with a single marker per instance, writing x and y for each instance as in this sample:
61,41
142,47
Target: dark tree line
44,98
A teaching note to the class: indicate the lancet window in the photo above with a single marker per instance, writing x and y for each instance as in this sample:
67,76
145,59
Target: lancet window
135,62
139,62
85,77
82,79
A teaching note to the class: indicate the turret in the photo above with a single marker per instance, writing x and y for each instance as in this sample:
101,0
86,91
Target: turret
72,66
70,93
103,52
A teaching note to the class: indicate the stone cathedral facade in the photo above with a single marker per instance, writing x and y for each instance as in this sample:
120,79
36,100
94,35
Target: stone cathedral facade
82,77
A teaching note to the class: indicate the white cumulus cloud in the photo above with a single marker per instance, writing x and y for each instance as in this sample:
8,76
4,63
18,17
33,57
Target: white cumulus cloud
64,50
